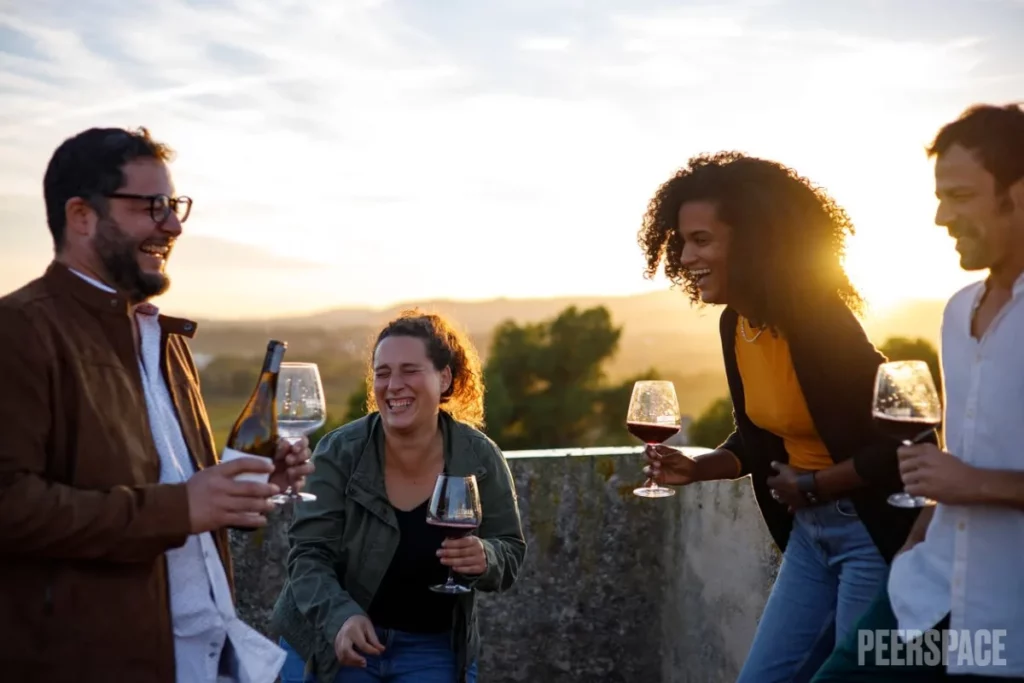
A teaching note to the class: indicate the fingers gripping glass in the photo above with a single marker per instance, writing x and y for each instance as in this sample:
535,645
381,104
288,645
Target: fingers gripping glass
906,406
455,508
160,205
653,417
301,410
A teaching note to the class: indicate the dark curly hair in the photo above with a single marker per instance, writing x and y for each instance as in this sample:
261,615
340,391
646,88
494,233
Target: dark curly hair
788,235
446,347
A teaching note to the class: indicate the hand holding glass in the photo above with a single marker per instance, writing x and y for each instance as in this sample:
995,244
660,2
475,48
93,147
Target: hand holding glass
455,508
301,410
906,406
653,417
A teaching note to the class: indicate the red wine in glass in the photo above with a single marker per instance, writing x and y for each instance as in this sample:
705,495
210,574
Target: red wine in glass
906,406
653,417
910,430
651,433
455,508
453,529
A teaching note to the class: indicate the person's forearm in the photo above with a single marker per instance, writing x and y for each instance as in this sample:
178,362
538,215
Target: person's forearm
43,519
718,464
1004,488
838,480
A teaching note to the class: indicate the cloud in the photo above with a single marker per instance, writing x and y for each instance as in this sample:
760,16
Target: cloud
423,134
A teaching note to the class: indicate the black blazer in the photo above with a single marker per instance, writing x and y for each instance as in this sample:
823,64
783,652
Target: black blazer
835,364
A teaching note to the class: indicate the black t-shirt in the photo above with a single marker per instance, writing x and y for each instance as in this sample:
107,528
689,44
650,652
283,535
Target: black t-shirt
403,601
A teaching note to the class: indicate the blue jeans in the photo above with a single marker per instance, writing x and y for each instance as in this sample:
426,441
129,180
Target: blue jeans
407,658
831,571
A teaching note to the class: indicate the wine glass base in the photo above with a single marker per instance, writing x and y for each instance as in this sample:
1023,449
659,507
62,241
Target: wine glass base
905,500
283,498
451,589
654,492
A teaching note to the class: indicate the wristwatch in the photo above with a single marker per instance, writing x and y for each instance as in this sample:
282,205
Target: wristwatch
808,485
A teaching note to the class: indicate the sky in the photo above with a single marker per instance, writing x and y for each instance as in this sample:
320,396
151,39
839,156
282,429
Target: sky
368,152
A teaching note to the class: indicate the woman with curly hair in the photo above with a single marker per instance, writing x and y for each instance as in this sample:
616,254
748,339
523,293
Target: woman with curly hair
357,607
753,236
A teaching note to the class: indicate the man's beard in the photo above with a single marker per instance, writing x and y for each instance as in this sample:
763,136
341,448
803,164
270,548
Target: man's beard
119,255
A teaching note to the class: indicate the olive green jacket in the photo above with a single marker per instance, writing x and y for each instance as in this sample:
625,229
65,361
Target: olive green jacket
342,543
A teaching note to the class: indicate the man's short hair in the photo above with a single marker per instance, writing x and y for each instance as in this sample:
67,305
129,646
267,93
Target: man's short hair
90,165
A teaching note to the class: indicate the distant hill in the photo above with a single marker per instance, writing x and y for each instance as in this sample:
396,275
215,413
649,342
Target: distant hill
661,329
641,312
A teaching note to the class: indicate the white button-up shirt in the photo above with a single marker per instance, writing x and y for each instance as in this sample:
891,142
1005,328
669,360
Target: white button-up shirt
971,563
202,613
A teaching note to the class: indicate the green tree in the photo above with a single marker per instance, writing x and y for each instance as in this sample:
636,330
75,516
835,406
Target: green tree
546,383
714,425
904,348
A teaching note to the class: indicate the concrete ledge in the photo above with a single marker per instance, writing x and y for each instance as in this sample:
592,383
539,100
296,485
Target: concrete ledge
614,588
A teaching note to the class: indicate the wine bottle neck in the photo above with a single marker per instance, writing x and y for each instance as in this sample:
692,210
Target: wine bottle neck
272,361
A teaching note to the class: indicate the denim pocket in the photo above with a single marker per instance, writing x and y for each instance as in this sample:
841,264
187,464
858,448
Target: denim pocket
845,508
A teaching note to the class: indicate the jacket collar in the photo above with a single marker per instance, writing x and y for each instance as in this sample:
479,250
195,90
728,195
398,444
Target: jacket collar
369,469
63,282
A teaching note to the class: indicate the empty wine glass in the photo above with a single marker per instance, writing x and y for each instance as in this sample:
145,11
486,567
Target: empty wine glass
455,508
301,410
906,406
653,417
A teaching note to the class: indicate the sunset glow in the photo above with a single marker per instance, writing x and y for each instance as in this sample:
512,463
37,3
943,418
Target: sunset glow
365,153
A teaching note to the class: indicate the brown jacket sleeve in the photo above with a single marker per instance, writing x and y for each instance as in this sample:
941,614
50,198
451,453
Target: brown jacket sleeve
42,518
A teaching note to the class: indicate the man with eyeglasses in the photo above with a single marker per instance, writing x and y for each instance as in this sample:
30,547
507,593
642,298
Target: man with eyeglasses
114,558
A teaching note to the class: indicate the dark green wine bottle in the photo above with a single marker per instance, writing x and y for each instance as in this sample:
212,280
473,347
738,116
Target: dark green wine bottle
254,433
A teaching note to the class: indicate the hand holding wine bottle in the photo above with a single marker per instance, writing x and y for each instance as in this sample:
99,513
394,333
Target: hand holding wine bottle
221,496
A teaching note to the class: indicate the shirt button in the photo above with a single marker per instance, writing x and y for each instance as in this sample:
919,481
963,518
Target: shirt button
961,526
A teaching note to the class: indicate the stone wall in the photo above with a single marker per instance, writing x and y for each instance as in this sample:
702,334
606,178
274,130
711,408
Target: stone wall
614,588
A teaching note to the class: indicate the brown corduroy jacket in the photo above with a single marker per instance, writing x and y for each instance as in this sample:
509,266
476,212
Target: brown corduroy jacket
84,523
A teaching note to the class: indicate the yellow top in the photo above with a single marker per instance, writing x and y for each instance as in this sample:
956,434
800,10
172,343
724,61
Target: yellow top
773,398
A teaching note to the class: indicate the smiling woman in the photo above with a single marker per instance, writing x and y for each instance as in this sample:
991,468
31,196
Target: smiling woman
361,602
754,236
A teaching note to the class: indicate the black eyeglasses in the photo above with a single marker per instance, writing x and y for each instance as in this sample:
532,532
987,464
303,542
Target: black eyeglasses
160,205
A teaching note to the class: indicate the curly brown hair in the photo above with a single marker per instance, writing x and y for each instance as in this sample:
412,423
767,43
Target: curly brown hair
788,235
447,347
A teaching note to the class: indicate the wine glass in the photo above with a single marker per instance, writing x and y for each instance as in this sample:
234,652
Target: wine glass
907,407
455,507
301,410
653,417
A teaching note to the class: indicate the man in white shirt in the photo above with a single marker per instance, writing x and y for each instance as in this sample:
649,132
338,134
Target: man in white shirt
958,584
114,558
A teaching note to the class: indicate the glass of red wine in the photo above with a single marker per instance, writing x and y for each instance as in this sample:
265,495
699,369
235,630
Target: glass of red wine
455,508
653,417
906,407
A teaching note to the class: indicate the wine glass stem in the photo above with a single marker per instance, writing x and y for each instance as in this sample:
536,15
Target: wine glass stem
651,484
291,440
